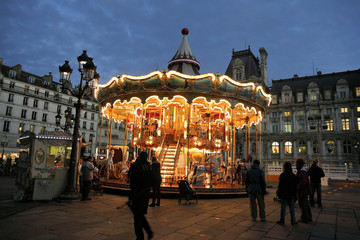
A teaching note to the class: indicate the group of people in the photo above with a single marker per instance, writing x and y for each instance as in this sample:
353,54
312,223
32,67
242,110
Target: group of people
291,188
88,173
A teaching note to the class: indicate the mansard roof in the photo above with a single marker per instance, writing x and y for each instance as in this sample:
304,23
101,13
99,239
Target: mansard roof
323,81
251,63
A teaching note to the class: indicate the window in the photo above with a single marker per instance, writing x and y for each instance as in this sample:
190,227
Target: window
42,129
105,132
313,95
315,146
44,117
239,74
347,146
31,79
330,125
6,126
287,126
23,113
91,137
357,91
25,101
92,116
32,128
11,97
36,91
342,94
33,115
84,125
93,106
328,111
85,114
301,113
344,110
302,147
46,93
12,74
358,123
21,127
288,147
274,99
274,114
358,109
85,104
287,98
58,109
314,112
345,124
35,103
70,100
275,127
12,85
26,89
300,97
8,111
46,105
275,148
301,126
327,94
286,114
331,148
91,126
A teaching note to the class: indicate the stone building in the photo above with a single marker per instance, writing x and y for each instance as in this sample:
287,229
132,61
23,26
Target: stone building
30,103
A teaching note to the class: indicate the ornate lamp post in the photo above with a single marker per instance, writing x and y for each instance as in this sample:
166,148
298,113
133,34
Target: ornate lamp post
69,120
87,70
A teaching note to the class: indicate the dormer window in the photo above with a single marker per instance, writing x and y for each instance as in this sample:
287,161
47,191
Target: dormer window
327,94
357,91
274,99
31,79
300,97
239,74
45,83
313,95
12,73
287,98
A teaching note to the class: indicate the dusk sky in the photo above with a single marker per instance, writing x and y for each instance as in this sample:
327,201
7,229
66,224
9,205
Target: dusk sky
137,37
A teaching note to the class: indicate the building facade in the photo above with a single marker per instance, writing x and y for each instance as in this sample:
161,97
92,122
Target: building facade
315,118
30,103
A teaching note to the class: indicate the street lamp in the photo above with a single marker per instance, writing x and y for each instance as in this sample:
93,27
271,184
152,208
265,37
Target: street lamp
87,71
69,120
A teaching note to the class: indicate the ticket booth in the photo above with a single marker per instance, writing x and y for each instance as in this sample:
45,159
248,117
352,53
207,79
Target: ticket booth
43,166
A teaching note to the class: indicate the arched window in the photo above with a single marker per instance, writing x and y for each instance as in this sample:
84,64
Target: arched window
331,147
302,147
275,148
346,146
288,147
315,147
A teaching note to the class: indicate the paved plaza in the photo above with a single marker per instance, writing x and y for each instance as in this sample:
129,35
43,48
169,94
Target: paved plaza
107,217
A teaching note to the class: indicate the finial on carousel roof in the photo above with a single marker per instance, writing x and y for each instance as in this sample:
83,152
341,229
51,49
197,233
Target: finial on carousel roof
184,60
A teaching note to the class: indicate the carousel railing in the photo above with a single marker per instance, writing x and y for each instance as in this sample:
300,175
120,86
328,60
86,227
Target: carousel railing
177,154
162,151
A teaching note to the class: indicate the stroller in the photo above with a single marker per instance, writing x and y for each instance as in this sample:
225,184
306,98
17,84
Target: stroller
97,186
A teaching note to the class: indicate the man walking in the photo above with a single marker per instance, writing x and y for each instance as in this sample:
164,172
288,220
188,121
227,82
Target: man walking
157,182
141,177
256,188
315,173
303,190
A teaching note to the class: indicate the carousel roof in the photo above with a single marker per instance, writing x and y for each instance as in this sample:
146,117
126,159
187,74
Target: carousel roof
184,60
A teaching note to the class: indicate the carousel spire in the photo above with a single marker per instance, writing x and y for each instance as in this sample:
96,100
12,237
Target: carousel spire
184,60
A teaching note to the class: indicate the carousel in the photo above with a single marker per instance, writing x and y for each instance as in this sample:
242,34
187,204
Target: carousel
186,119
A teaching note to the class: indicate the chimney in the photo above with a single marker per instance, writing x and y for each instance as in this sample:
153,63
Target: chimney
296,76
263,65
319,73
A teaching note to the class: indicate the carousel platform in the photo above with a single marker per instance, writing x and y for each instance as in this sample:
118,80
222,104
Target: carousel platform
217,191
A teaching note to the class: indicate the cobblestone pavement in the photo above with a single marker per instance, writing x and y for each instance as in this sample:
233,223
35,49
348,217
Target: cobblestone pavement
106,217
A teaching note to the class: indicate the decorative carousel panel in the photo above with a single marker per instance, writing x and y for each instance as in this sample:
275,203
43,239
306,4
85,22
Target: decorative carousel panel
227,87
246,92
176,82
152,83
131,85
203,85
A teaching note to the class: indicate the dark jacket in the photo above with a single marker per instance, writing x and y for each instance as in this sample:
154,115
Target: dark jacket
287,186
156,168
316,173
303,184
141,177
255,180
